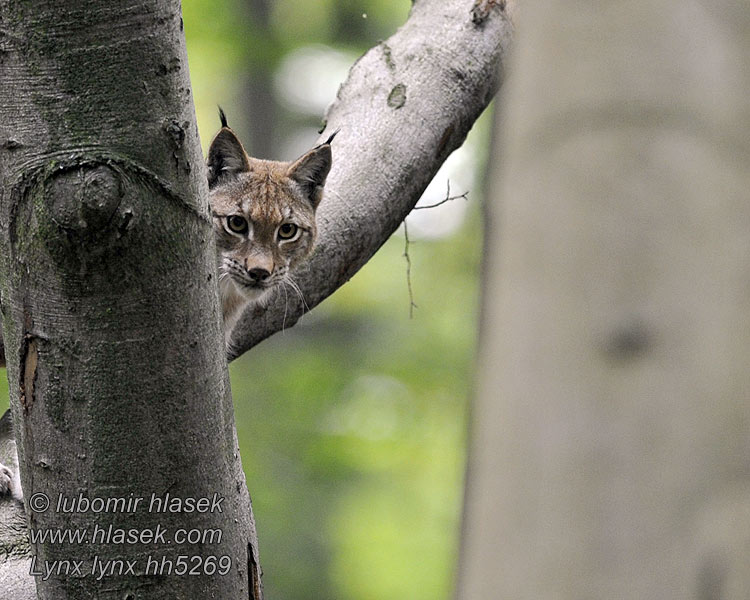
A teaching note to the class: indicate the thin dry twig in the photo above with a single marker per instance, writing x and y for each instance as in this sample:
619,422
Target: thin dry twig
412,305
448,198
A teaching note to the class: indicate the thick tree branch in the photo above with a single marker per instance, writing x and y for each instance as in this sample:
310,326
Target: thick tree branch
407,104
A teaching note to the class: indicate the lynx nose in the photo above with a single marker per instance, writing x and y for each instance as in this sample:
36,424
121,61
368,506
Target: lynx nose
258,275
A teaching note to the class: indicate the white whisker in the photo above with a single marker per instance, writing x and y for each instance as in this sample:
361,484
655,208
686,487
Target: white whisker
286,306
297,289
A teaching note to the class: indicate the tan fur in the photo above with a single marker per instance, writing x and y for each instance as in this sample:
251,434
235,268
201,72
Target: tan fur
271,197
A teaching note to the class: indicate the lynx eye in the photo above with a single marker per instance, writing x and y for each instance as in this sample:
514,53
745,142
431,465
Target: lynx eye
236,224
288,231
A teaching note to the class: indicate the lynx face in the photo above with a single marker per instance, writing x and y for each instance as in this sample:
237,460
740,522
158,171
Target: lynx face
264,219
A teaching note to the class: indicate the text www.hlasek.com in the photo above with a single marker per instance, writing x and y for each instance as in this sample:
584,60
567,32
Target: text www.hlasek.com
103,535
119,535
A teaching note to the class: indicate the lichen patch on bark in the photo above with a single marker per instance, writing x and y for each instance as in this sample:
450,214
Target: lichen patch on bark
397,97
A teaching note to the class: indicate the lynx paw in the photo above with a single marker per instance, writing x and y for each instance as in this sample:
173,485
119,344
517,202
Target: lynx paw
6,480
10,483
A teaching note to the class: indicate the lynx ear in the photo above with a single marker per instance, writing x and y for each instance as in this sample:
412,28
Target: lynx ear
311,170
226,156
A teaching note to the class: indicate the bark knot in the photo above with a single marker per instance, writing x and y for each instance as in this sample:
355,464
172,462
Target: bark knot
12,144
84,199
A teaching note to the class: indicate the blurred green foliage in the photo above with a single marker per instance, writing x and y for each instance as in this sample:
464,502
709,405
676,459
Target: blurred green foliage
352,423
352,428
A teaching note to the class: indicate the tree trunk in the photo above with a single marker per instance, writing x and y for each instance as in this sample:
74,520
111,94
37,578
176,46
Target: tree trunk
611,434
118,380
262,110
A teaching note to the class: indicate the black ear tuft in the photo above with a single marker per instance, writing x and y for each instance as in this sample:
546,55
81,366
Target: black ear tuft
311,170
330,139
226,157
223,118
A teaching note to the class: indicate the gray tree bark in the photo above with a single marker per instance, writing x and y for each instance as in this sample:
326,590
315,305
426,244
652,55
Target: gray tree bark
117,374
406,105
611,433
107,263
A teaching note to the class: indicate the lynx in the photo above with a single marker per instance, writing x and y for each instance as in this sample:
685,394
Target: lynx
264,219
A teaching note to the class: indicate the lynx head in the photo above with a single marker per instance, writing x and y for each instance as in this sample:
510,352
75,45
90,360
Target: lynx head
263,215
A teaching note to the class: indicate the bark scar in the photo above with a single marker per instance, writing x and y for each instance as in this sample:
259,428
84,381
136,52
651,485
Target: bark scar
28,359
29,362
254,574
444,140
